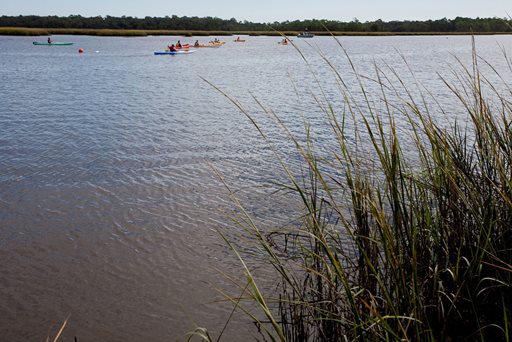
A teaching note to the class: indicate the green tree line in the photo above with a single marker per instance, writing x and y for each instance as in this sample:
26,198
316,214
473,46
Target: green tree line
459,24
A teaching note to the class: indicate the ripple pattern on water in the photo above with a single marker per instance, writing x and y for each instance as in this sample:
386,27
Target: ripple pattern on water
108,202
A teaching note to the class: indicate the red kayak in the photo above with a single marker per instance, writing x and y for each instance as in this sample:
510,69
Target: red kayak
182,47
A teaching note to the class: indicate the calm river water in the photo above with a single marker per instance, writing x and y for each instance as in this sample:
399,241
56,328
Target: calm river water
108,201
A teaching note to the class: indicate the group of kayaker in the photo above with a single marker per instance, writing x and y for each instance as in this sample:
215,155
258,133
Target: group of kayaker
179,46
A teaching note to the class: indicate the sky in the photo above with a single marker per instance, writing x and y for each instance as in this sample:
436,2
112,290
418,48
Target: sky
266,10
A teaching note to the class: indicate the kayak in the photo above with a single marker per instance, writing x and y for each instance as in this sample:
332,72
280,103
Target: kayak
53,43
173,52
208,46
239,40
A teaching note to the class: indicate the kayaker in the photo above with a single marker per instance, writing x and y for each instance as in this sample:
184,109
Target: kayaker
178,44
49,40
172,48
196,44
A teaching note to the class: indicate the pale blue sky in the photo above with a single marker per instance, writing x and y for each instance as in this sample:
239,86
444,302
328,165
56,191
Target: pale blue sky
265,10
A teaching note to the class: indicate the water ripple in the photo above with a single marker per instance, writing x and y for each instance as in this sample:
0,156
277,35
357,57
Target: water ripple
108,202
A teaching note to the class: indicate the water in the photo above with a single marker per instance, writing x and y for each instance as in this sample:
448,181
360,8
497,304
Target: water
108,200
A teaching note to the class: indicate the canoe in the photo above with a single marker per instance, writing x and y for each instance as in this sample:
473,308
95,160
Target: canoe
239,40
173,52
50,44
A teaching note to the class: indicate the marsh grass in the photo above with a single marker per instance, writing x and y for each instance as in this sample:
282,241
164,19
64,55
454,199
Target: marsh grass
398,247
23,31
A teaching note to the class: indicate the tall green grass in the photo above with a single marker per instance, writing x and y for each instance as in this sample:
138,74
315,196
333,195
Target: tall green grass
412,246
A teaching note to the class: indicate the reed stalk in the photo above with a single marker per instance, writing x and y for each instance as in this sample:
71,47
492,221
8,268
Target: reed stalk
412,246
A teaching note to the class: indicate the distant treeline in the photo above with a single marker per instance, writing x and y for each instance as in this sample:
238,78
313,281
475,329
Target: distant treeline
458,24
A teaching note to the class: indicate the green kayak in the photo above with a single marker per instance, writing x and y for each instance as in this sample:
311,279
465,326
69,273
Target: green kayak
53,43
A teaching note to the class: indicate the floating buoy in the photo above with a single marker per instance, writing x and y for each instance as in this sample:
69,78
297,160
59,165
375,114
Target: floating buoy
81,50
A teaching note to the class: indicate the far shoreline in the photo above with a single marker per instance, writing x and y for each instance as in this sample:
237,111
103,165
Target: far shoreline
22,31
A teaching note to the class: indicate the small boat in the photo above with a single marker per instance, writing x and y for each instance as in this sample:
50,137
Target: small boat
305,34
181,52
239,40
208,46
52,43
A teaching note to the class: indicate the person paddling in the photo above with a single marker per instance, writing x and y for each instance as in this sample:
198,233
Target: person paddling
178,45
49,40
196,44
172,48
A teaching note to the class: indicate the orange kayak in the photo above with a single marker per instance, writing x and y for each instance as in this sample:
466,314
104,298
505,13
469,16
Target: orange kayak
208,46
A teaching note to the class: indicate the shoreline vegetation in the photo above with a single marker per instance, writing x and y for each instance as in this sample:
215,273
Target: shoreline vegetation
194,26
25,31
404,232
